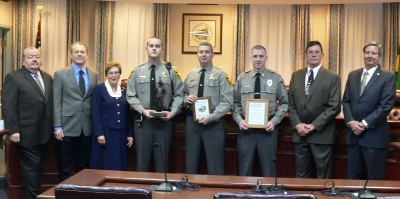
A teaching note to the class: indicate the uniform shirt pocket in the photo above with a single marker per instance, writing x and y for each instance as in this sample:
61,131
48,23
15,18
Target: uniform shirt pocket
213,87
143,84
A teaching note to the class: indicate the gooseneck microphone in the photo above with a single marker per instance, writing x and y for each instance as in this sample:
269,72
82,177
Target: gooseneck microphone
364,192
165,186
275,189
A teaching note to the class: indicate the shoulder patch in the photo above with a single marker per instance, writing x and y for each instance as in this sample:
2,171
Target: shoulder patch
177,73
282,82
130,75
227,79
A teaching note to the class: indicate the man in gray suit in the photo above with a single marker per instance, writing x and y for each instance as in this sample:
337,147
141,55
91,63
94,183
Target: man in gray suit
28,114
314,103
73,87
367,100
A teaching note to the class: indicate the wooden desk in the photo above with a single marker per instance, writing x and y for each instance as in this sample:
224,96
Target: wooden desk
214,184
2,132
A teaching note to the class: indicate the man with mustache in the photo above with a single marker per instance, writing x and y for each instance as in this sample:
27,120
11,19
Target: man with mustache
314,103
27,104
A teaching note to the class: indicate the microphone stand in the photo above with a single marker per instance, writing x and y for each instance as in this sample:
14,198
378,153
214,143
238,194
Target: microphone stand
364,192
275,189
165,186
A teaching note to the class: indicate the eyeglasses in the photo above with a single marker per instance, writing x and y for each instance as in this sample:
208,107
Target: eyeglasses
370,53
313,53
113,73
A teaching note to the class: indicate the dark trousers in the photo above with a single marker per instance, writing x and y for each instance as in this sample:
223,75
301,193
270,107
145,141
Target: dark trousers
75,149
31,162
212,136
366,163
150,132
313,160
266,145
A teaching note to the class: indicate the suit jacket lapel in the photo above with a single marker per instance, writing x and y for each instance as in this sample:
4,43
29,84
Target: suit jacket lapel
92,81
47,82
71,75
373,79
30,79
301,81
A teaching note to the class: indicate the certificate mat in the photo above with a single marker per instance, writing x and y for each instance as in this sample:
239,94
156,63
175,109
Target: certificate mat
256,113
202,107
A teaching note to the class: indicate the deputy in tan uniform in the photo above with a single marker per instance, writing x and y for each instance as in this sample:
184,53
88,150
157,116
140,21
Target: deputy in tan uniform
141,97
272,87
202,81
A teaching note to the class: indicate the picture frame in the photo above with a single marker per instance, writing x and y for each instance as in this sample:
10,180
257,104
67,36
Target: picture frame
202,107
197,28
257,113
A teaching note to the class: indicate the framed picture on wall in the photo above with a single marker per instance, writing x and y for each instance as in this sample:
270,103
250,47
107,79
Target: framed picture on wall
197,28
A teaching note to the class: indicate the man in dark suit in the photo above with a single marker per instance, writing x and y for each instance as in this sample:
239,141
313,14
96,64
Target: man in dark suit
314,102
27,104
367,100
73,88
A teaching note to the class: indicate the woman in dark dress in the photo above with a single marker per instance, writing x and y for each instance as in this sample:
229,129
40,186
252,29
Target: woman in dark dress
112,131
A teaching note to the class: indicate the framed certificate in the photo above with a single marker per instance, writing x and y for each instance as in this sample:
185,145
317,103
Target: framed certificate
256,113
202,107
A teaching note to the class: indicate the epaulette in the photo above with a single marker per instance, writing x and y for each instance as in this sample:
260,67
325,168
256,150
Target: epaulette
135,68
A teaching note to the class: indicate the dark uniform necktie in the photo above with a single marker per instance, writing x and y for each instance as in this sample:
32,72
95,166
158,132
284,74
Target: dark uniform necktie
257,85
153,87
82,86
309,82
201,84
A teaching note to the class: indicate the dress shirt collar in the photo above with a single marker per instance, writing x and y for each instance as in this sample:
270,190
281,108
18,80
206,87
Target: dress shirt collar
263,72
111,92
208,68
371,71
77,69
315,70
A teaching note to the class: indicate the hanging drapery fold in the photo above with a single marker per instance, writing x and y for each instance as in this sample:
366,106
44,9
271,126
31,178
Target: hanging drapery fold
242,15
301,20
390,35
104,35
161,25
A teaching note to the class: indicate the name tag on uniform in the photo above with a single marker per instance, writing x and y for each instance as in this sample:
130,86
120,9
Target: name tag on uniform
246,85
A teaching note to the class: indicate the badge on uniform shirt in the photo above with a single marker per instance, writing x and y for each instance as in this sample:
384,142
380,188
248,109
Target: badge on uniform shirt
163,75
192,80
269,82
212,76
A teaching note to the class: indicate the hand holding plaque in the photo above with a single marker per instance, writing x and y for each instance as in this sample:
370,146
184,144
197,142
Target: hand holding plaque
202,107
256,113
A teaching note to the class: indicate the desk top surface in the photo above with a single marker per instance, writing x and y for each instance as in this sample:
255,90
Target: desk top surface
213,184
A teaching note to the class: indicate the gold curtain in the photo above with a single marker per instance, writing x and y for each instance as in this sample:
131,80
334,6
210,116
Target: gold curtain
301,34
390,35
23,29
242,15
104,35
161,24
336,21
74,13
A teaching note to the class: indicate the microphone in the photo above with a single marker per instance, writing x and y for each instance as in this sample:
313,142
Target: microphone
364,192
275,189
165,186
